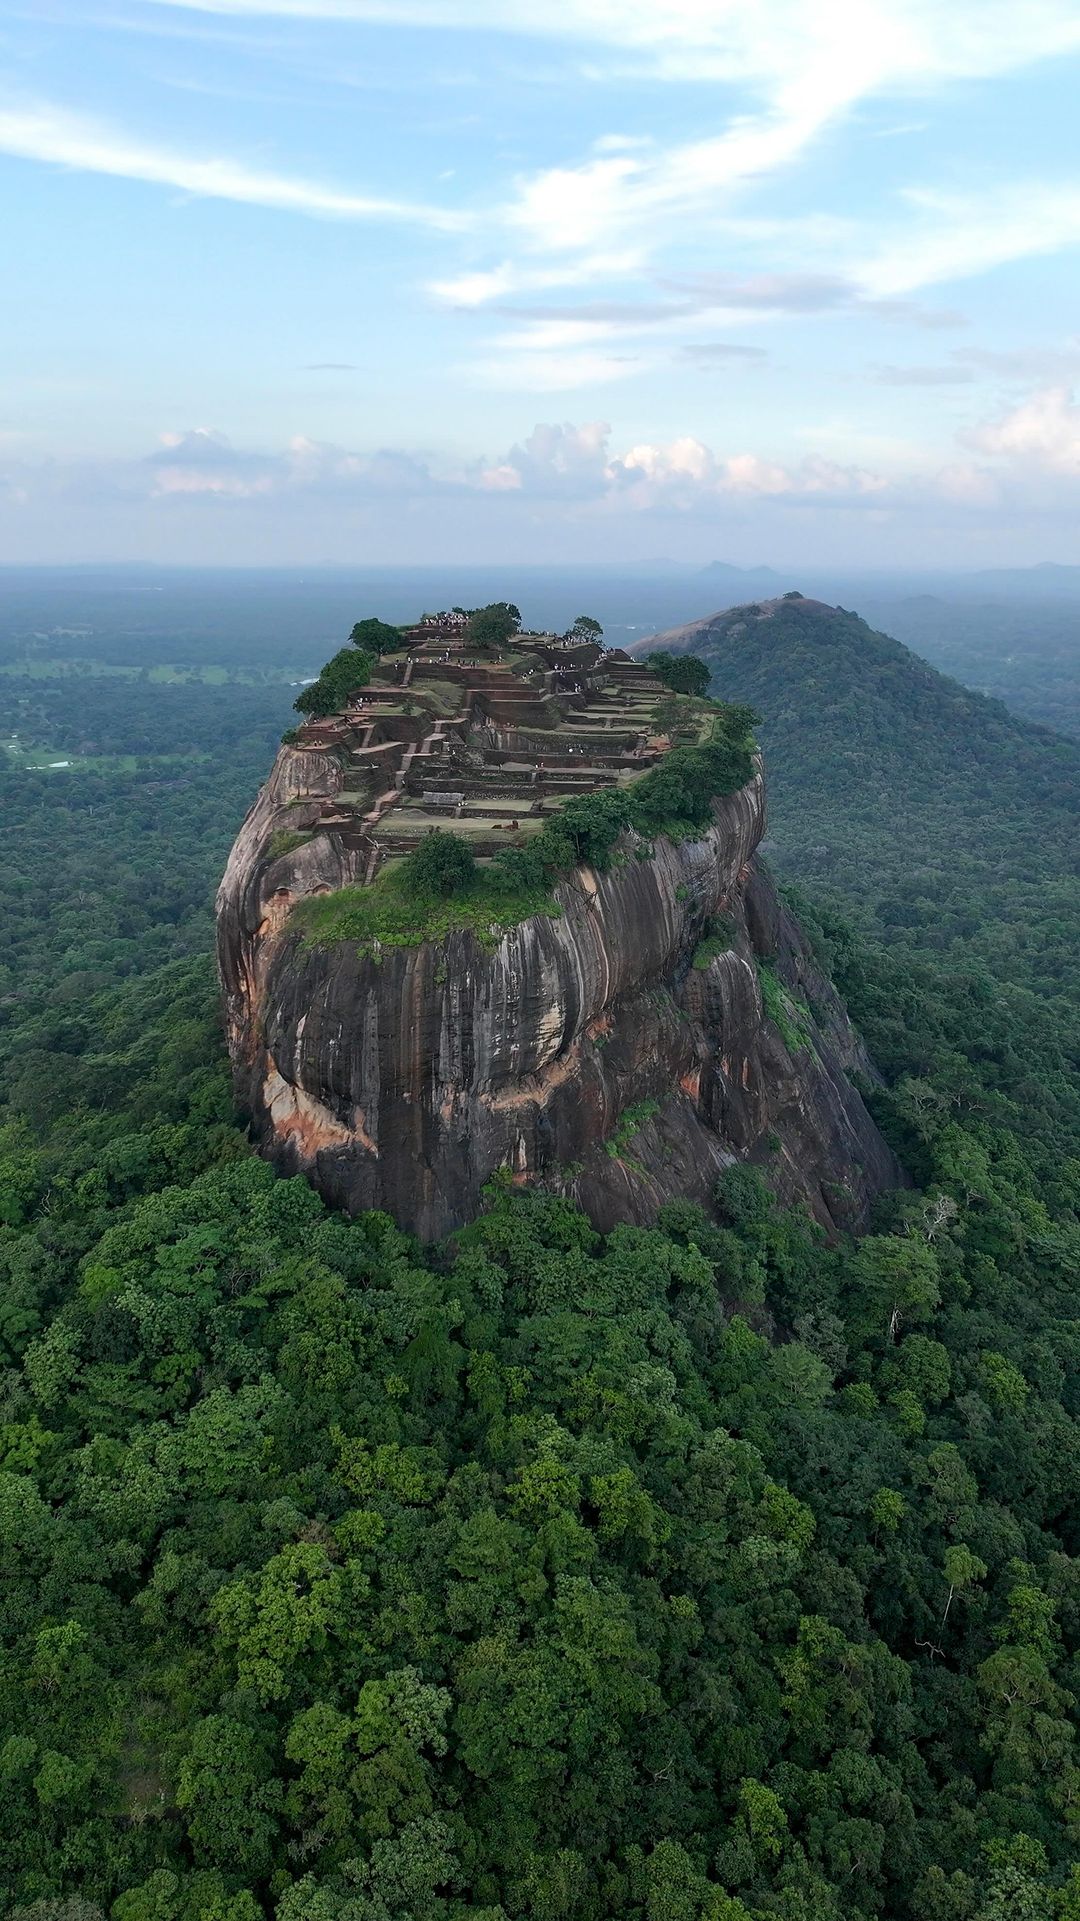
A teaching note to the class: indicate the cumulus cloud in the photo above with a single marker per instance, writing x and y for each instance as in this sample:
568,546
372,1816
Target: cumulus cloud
556,459
1042,432
571,472
202,461
579,463
575,463
966,485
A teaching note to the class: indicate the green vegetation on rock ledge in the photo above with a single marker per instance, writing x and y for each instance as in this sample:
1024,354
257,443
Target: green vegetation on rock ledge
790,1017
412,902
674,799
630,1120
396,911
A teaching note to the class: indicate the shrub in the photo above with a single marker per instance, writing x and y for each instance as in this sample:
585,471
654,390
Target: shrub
442,865
631,1119
285,840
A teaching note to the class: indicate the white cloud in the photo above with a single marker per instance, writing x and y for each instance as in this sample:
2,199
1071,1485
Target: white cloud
476,288
202,461
966,485
805,68
683,459
955,238
51,134
1023,461
550,367
903,41
557,460
685,470
1043,432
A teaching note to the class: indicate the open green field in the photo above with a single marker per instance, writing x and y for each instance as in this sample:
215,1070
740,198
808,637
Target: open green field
49,760
43,667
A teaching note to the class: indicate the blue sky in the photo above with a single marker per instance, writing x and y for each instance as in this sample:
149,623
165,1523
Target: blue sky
400,280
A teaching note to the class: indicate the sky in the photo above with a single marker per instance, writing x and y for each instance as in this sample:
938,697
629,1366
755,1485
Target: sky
355,281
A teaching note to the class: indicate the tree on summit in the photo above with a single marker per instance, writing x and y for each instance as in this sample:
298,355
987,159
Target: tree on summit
341,676
681,673
443,864
586,628
376,636
493,626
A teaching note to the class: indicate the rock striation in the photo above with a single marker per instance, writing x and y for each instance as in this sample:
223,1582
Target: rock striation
669,1021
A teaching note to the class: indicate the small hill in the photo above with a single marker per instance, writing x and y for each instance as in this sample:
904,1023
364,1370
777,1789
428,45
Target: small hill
931,815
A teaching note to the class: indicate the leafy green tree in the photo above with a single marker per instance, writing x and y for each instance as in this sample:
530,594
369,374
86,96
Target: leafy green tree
228,1796
443,864
962,1570
682,673
344,672
896,1279
375,637
492,626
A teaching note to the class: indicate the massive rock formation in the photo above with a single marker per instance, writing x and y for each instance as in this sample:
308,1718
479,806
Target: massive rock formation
620,1052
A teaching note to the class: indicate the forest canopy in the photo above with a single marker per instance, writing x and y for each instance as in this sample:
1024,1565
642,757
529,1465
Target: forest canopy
698,1572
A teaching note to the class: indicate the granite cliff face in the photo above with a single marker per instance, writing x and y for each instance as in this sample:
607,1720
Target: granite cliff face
620,1052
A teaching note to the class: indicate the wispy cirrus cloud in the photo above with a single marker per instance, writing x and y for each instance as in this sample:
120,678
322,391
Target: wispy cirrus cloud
903,40
51,134
955,237
552,346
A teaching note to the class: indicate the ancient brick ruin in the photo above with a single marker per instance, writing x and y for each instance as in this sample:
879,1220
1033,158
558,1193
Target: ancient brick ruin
488,743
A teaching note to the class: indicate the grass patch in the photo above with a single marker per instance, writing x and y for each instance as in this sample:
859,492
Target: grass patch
59,760
789,1016
285,840
718,937
390,914
630,1120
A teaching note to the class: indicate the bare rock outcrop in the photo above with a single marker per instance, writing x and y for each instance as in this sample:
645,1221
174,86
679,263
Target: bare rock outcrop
670,1020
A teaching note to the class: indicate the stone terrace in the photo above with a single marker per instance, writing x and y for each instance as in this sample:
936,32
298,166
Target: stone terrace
488,743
